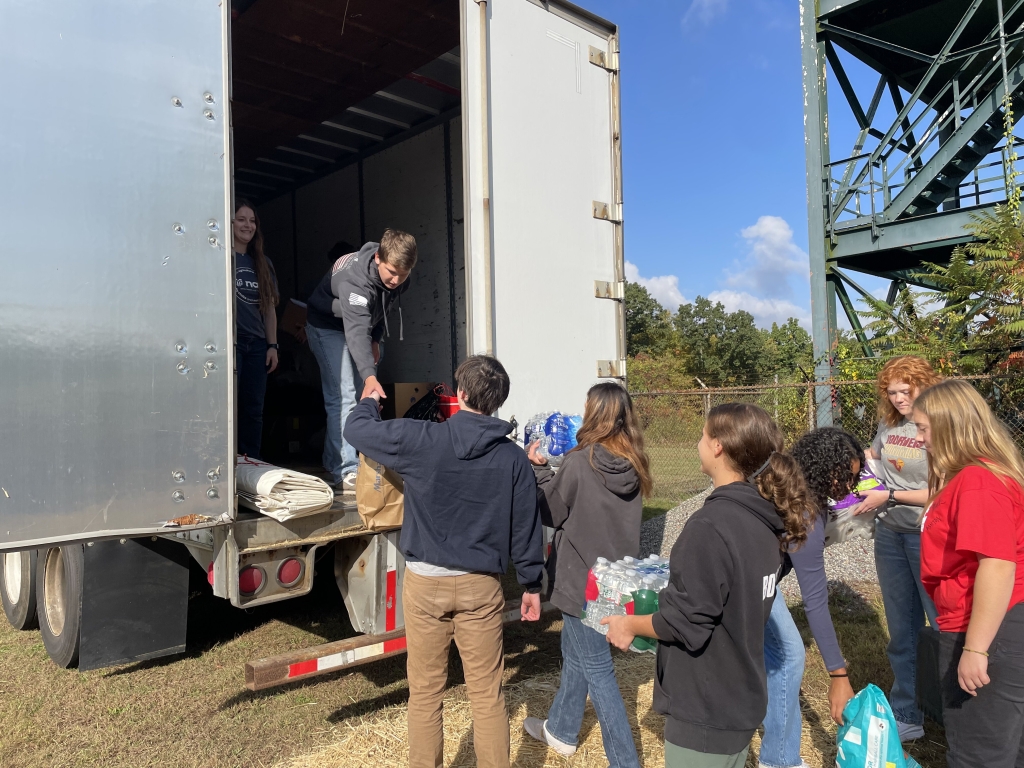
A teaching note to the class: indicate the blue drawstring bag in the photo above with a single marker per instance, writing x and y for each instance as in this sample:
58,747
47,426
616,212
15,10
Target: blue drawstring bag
868,737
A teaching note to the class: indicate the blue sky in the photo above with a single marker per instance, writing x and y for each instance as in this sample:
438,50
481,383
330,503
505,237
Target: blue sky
715,200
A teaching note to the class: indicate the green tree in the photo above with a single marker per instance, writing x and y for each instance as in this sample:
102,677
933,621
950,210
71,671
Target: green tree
721,348
789,349
648,325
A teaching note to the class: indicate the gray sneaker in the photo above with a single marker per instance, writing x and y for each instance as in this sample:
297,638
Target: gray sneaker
539,730
347,486
909,731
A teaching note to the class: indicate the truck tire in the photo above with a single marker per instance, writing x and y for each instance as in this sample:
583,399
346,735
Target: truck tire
18,588
59,576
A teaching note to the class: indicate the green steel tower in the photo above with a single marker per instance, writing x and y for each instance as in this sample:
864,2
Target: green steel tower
926,86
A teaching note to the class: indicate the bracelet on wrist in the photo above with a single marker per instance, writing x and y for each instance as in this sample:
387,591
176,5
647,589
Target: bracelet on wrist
833,675
980,653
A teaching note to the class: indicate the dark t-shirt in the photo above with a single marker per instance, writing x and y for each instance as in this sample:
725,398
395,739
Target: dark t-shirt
247,297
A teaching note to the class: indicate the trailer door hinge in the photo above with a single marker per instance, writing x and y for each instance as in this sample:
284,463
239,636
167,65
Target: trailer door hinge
611,369
602,59
604,211
610,289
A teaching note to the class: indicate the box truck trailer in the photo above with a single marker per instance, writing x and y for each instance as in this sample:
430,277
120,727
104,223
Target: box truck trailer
489,129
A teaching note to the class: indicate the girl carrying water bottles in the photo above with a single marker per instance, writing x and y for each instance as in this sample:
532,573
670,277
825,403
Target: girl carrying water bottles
724,567
595,505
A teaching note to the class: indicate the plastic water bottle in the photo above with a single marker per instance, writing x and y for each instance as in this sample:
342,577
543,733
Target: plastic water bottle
645,602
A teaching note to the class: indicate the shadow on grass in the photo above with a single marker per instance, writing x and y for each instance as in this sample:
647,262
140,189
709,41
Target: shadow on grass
213,621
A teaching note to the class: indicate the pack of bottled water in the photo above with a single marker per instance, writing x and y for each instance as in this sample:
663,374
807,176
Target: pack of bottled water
556,433
627,586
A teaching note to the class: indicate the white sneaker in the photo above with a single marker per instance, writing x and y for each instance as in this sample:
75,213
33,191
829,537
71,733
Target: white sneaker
347,486
539,730
909,732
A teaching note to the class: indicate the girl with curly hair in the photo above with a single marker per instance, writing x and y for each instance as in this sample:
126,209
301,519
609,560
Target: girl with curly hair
831,461
723,570
904,462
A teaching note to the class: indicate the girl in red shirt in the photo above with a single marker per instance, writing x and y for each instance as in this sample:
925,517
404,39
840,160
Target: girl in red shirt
972,565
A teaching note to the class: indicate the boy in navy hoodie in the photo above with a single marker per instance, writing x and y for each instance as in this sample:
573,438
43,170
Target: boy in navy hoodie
470,506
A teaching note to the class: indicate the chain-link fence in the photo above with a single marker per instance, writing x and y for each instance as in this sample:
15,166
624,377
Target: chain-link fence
673,420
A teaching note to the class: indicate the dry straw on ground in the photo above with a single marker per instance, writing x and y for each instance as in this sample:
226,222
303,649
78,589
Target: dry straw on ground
379,739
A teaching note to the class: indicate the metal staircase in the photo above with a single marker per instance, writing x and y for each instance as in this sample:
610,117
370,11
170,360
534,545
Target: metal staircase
912,180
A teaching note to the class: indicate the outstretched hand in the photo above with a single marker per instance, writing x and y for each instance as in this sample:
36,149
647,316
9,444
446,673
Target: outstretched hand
372,388
533,454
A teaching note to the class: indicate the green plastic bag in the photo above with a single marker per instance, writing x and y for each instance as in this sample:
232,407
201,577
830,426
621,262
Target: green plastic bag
868,737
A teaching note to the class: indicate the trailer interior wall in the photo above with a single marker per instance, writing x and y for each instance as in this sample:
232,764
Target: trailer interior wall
415,186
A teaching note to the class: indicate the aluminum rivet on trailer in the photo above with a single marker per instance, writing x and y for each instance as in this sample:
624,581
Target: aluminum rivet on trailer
213,225
208,114
211,348
208,98
183,368
176,101
211,493
178,229
180,348
88,545
178,497
210,365
213,474
213,241
124,541
178,476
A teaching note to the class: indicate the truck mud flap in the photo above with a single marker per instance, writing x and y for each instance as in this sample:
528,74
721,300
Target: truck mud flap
134,601
342,654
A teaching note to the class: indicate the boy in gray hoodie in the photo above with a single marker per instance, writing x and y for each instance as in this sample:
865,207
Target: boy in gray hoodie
346,317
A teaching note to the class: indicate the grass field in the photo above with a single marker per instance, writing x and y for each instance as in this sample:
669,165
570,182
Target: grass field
193,710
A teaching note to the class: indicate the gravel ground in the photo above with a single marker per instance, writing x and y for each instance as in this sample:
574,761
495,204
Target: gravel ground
851,561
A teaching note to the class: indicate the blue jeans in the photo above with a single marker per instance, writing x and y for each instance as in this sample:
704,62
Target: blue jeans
339,379
587,668
898,562
251,369
784,663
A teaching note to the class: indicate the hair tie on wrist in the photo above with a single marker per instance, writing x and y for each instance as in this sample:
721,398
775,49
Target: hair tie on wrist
763,467
834,676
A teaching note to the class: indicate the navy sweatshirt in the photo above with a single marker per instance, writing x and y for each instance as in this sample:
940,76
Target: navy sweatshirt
470,493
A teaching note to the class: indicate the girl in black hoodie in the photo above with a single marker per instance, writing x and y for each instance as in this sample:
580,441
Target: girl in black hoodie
595,505
710,681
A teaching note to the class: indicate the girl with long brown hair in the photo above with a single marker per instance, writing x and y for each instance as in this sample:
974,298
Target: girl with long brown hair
972,564
256,300
723,570
595,505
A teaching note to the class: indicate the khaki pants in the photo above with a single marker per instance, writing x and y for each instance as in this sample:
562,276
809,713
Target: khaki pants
469,609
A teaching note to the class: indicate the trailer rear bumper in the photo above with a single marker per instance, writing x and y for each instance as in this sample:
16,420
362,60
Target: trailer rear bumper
339,655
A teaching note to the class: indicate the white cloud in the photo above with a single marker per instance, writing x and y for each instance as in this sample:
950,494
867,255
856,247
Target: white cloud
664,288
772,259
765,310
703,11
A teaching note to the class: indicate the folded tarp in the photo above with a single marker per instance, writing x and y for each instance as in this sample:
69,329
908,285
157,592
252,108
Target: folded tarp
280,493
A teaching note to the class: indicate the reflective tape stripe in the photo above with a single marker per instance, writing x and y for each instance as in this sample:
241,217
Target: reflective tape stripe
345,658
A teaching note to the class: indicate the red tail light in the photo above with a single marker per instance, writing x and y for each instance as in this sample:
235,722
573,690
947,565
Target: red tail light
290,572
251,580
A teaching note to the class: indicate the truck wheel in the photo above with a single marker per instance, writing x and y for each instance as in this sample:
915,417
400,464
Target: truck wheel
59,589
18,588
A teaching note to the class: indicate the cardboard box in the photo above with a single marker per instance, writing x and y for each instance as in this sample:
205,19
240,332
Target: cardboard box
407,395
